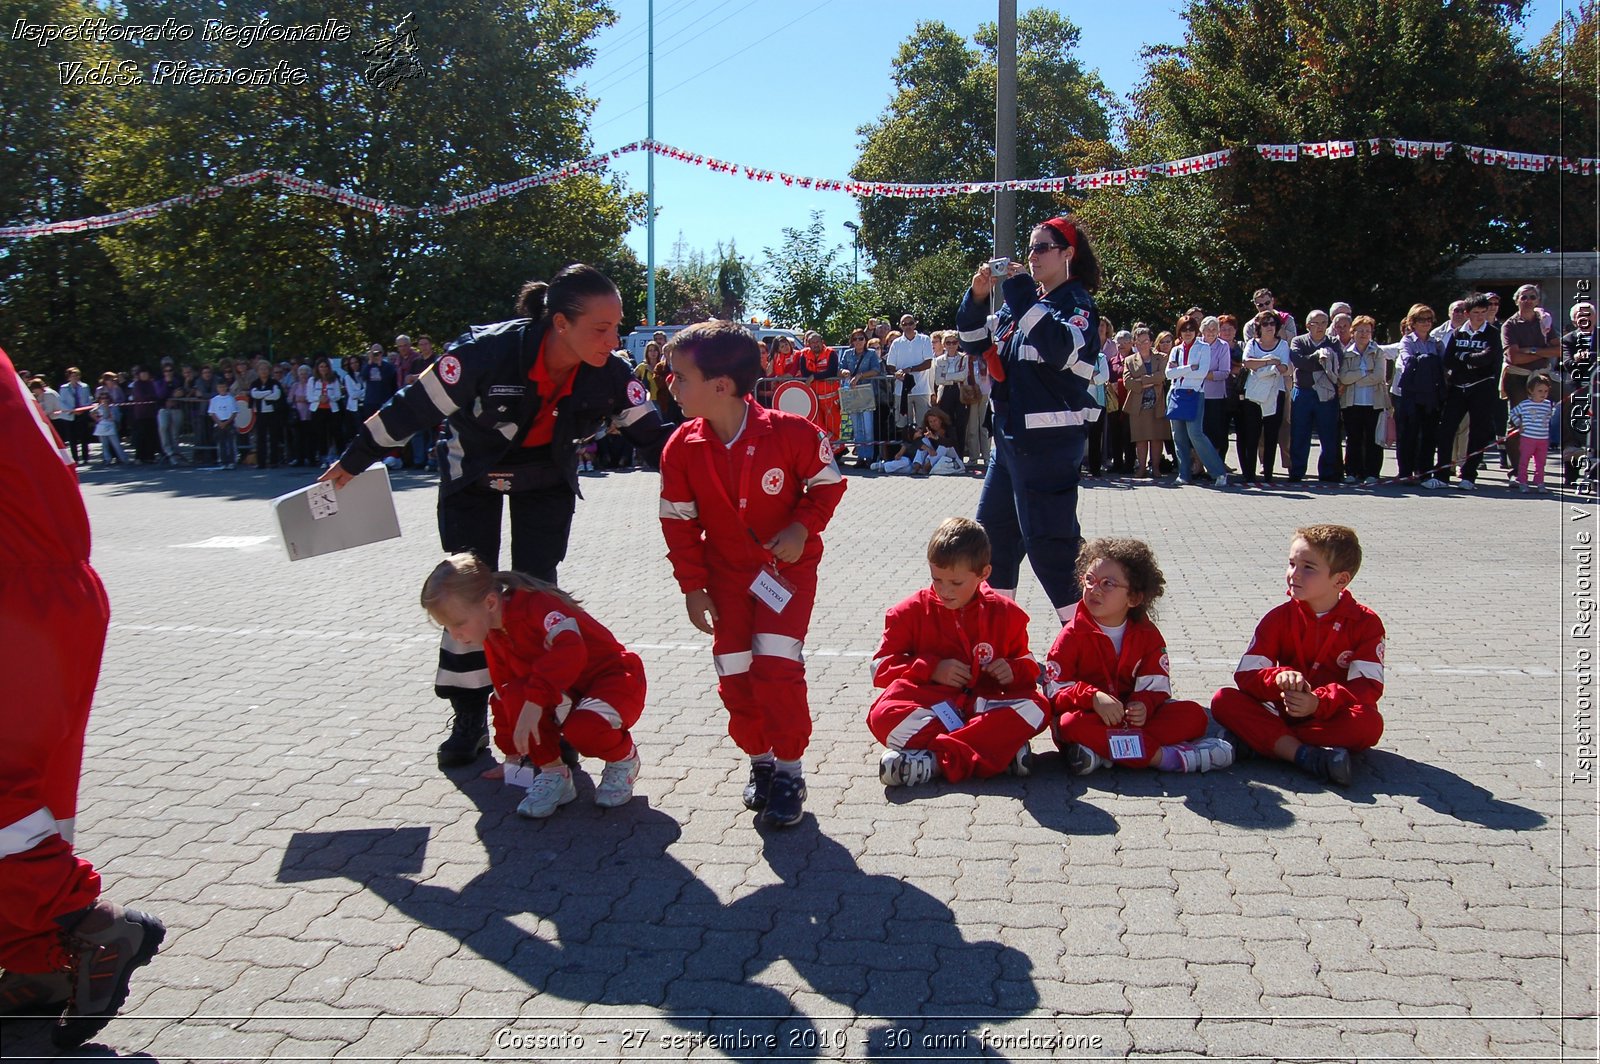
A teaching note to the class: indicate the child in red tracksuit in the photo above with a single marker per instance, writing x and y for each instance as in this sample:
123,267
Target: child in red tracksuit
557,674
1310,680
745,495
960,696
1107,678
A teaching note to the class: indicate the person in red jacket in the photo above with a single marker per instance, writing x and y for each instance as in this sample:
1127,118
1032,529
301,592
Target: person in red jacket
61,943
557,673
1310,680
1106,674
745,495
960,692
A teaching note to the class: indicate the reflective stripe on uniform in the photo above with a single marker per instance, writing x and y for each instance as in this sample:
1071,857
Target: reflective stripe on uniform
1028,353
1251,662
972,336
27,833
1058,419
1153,683
1368,670
601,709
634,413
679,511
828,474
380,433
734,664
475,680
914,722
566,624
433,387
777,646
1033,316
1026,708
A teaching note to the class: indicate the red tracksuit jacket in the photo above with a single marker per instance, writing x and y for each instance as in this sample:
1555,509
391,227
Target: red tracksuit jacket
1082,662
720,503
1340,655
547,649
921,632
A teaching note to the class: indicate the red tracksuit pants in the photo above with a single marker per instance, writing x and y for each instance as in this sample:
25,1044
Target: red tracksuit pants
1169,723
1261,724
902,719
54,619
595,720
761,672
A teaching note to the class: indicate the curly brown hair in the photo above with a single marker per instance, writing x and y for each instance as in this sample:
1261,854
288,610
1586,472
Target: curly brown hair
1145,578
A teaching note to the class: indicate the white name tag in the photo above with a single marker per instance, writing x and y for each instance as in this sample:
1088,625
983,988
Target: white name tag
770,588
1126,745
948,716
520,774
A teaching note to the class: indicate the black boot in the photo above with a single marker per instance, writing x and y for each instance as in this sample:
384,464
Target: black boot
469,736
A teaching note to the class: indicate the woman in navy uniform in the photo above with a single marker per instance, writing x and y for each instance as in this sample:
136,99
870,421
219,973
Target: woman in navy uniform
1041,351
519,397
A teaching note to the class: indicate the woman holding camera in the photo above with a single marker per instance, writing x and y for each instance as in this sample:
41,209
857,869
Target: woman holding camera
1041,351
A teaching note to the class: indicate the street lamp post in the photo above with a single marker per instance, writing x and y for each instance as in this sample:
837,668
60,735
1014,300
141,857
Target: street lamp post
855,234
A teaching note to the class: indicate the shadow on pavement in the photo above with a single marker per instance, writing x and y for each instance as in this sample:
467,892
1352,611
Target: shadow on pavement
1385,772
633,926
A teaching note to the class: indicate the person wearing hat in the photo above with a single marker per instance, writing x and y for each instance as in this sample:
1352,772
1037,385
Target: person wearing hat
1041,350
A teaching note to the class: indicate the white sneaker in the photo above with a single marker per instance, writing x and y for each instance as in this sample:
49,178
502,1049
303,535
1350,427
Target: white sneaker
1370,482
1021,761
616,782
1352,479
907,768
1433,483
550,790
1468,485
876,467
1220,482
1203,755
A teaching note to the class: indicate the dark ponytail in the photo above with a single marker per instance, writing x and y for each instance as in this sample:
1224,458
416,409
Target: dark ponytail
565,294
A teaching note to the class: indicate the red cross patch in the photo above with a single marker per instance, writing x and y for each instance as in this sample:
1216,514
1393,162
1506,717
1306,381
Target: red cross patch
772,481
636,392
984,652
450,369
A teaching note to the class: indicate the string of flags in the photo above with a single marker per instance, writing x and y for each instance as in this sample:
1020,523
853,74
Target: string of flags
1195,164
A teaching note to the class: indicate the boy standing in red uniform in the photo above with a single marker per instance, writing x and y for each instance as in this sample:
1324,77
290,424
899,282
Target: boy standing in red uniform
1310,680
745,495
60,942
960,694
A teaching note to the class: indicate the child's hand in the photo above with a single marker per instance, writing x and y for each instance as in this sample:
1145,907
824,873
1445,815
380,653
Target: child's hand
999,670
952,673
1300,703
527,727
1135,714
1292,681
788,545
1109,708
702,614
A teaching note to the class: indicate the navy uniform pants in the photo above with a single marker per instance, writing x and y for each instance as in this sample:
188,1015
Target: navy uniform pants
1029,508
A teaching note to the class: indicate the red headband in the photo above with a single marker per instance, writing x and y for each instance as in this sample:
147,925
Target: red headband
1066,229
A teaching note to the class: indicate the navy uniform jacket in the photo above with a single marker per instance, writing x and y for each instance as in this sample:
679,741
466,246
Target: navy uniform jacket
1047,351
480,385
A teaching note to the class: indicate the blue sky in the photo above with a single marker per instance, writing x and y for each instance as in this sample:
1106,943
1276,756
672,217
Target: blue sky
785,85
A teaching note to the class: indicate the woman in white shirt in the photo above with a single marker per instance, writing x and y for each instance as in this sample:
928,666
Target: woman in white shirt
1187,370
1266,358
1363,393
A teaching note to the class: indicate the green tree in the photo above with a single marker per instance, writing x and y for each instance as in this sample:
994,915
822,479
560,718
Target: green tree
1376,230
939,127
805,279
322,276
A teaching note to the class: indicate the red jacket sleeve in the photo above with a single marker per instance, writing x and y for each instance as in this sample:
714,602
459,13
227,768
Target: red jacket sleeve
1258,669
824,485
1015,649
1067,694
680,519
1152,683
552,673
1363,684
897,658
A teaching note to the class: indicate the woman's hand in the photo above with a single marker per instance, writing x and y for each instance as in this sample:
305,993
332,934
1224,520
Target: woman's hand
336,475
983,283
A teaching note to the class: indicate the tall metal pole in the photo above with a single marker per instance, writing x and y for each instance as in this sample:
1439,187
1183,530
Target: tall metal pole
1005,132
650,165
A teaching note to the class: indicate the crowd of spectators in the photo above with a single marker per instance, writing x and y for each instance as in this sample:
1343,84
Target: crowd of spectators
1442,399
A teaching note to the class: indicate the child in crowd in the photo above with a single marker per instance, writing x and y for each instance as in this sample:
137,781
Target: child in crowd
223,406
1107,673
557,672
1310,680
1532,418
931,451
959,695
105,430
745,495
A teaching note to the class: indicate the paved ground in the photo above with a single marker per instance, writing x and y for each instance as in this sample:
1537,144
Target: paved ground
260,773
